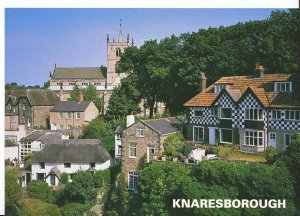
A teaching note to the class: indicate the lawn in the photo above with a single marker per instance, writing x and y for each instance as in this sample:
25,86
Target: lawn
229,153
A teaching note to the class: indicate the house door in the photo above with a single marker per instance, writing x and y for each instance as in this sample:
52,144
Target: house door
272,139
52,179
212,136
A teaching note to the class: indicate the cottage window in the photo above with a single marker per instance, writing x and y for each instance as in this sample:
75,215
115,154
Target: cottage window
132,151
60,115
276,114
68,115
198,134
92,165
214,112
219,87
61,127
69,126
118,136
67,165
226,136
292,115
78,115
253,114
150,154
119,150
198,113
254,138
287,139
225,113
133,180
41,176
283,86
140,132
42,165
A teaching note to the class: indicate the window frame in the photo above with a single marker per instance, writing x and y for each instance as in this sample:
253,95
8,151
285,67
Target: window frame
283,87
42,165
221,112
294,115
148,153
218,88
67,165
198,110
134,148
220,131
93,165
254,138
78,115
140,132
133,180
60,115
253,112
69,115
194,140
214,112
285,140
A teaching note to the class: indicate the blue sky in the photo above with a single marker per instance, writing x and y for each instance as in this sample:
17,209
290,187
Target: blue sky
36,39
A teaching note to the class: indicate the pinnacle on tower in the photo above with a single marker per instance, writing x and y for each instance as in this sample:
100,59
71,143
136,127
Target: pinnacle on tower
127,38
107,38
120,32
132,43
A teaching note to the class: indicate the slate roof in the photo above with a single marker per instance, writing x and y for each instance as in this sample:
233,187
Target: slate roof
262,88
78,73
162,126
36,97
43,135
72,151
70,106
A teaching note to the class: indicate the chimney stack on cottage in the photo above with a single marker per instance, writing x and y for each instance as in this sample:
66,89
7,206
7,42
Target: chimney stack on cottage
259,70
203,81
80,96
130,120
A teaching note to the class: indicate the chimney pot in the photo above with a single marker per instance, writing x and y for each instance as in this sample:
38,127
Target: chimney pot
259,70
81,96
203,81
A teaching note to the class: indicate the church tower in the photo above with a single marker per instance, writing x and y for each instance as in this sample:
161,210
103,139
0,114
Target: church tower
114,50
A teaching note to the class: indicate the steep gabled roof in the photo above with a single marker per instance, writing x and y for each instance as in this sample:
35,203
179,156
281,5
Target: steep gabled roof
78,73
262,88
36,97
72,151
70,106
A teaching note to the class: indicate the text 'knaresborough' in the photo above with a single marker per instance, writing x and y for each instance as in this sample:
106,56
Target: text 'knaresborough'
228,203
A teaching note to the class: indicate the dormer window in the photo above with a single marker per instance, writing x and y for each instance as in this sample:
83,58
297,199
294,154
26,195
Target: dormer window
283,86
219,87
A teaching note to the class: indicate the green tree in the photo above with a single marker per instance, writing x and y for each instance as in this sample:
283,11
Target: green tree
81,188
40,190
74,94
102,178
64,178
12,192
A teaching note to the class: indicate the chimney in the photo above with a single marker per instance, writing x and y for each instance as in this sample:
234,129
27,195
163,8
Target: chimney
259,70
203,81
129,120
81,96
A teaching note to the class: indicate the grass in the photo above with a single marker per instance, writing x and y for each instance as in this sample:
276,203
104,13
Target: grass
230,154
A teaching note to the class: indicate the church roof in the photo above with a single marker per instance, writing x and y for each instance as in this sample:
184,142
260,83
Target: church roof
79,73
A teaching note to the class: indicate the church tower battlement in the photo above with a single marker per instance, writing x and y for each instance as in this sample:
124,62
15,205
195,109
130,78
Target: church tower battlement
114,51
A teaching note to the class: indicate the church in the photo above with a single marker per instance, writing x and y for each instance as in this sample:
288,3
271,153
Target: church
63,80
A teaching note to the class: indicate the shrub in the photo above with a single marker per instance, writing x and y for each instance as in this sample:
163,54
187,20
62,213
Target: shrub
12,191
64,178
72,209
186,150
102,178
40,190
38,207
270,154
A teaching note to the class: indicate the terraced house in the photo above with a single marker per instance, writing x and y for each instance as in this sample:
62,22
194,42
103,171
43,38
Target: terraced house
254,111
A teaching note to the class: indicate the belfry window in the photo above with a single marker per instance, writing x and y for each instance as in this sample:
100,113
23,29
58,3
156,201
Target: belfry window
118,52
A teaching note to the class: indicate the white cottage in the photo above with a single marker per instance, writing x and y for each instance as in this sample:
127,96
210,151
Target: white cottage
68,156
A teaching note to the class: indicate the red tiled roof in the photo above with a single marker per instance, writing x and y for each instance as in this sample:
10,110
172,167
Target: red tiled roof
263,89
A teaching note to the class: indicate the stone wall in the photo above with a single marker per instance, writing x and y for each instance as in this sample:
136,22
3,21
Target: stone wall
65,121
41,115
11,122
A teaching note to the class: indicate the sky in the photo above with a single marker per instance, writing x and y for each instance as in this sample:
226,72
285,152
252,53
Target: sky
37,39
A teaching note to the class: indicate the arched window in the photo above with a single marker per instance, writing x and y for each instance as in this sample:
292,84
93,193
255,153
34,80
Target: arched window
118,52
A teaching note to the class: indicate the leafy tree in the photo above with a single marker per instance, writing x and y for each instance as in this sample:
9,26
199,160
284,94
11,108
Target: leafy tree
40,190
270,154
64,178
81,188
101,178
102,130
90,93
74,94
12,192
